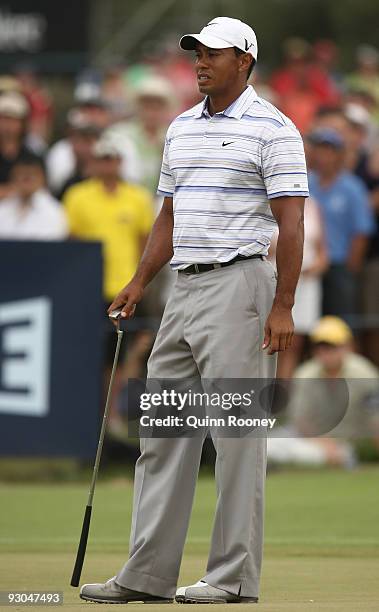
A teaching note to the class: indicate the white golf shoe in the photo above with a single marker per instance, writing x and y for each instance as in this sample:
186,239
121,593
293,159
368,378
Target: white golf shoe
202,592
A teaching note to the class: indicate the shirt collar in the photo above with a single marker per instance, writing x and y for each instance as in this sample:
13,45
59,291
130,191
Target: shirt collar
236,109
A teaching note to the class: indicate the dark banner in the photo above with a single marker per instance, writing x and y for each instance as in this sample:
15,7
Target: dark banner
51,35
51,331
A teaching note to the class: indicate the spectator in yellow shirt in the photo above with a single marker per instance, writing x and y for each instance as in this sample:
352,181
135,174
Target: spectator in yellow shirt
113,212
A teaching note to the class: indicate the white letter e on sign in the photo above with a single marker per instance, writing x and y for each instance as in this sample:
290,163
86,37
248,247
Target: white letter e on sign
25,330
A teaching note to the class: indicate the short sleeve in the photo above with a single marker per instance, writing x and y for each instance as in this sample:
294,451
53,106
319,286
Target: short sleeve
284,169
360,208
166,186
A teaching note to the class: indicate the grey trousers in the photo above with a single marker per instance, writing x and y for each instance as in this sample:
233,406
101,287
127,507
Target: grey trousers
213,327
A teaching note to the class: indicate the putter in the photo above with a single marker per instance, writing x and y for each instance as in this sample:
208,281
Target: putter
115,314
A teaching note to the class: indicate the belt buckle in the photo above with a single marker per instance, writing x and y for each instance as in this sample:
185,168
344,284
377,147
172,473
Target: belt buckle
196,268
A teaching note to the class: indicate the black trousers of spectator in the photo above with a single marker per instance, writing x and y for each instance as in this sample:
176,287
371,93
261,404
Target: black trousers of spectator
340,293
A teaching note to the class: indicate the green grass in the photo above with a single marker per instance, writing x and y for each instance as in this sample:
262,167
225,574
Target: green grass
321,553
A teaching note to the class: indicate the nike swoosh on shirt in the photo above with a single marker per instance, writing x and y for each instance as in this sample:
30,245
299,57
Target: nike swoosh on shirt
225,144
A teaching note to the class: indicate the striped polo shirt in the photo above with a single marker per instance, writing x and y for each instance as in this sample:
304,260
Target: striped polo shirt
222,170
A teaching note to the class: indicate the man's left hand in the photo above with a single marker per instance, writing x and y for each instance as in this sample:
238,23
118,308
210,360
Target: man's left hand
279,330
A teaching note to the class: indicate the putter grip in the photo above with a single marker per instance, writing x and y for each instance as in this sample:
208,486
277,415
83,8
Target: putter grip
81,548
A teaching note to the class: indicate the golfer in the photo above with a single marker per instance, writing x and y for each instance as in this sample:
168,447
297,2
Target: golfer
233,167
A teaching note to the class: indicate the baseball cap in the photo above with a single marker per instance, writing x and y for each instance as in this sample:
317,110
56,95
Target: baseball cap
358,115
89,94
13,104
106,148
154,87
331,330
223,33
79,122
327,136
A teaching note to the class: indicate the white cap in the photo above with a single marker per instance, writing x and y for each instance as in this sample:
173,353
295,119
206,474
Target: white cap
223,33
106,147
154,87
357,114
78,120
13,104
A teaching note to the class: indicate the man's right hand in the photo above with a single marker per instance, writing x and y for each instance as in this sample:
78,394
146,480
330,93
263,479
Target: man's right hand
127,299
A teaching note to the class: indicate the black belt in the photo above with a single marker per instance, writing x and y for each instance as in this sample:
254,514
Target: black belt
198,268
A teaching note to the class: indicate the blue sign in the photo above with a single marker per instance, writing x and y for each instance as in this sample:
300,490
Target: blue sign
51,335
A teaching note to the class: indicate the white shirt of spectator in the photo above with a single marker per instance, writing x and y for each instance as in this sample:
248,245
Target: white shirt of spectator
60,164
43,218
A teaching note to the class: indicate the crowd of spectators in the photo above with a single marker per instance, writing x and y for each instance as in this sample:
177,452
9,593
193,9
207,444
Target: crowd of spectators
97,180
